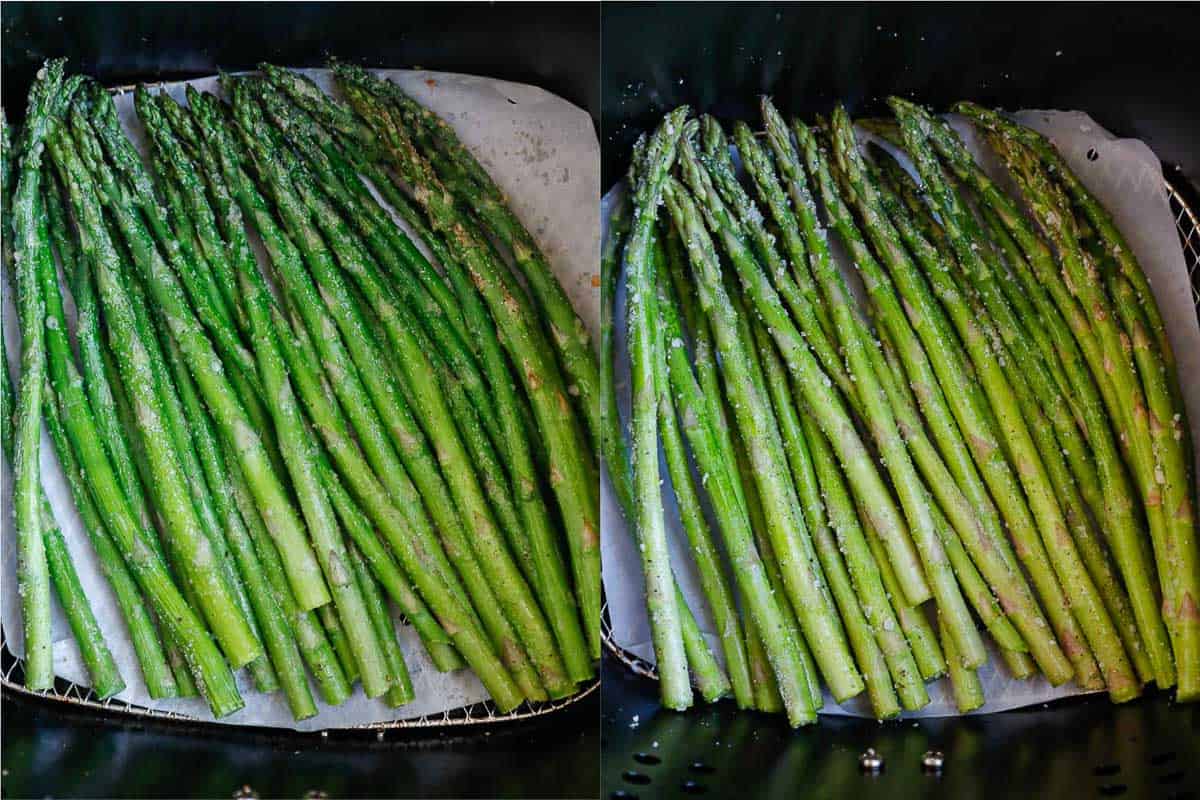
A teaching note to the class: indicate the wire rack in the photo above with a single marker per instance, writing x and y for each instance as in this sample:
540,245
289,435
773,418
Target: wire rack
1187,224
482,713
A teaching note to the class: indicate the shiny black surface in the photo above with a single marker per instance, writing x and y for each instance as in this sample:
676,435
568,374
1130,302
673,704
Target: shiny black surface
54,751
1082,748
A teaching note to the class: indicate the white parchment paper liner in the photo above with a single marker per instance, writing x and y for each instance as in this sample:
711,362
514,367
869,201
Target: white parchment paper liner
543,152
1127,178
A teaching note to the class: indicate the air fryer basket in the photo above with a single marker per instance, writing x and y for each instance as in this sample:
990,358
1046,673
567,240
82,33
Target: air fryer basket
133,43
1132,69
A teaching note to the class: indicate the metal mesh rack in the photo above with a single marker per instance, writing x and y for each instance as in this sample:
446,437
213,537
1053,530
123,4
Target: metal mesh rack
483,713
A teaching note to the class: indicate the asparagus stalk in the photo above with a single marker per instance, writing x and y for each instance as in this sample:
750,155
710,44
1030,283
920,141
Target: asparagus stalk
853,603
712,578
404,523
642,317
392,249
303,570
437,642
944,365
277,635
730,485
314,647
612,440
1166,497
200,286
155,670
47,97
1114,241
134,360
922,639
964,680
147,567
354,148
487,545
1153,371
105,676
1086,605
175,161
908,422
401,692
965,237
1096,556
786,529
1076,339
470,182
571,470
974,413
413,357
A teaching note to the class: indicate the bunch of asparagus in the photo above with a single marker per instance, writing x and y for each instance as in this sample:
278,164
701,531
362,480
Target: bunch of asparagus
997,439
265,454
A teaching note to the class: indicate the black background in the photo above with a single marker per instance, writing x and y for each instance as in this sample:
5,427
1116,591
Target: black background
1135,67
553,45
48,751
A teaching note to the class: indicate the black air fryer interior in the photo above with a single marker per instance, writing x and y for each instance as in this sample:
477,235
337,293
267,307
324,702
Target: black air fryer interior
54,750
1134,69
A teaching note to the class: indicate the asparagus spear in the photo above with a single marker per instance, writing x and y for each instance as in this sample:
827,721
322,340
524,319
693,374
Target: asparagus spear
972,408
1095,555
1111,236
925,456
183,430
1154,374
105,676
965,238
211,378
463,175
403,523
199,285
300,454
314,647
146,566
389,245
922,639
412,355
642,315
612,440
1158,470
134,359
401,692
731,487
157,674
489,549
1076,340
1037,393
571,471
47,97
786,529
712,578
853,603
944,365
437,642
277,635
964,680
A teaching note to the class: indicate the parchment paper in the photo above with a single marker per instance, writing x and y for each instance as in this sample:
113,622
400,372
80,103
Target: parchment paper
1127,178
542,151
